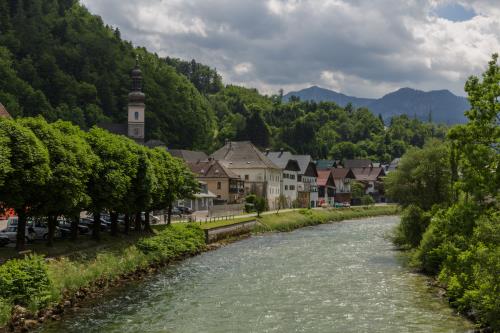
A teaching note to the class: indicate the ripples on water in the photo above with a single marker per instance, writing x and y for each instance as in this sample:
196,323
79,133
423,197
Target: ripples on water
341,277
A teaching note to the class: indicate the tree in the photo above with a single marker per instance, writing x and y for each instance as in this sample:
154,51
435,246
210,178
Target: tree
29,172
423,177
260,205
86,162
357,190
70,161
112,177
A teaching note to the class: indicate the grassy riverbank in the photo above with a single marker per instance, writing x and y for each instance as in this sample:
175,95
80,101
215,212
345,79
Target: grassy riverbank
37,283
307,217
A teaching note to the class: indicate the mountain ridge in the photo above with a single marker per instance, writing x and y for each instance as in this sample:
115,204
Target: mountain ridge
441,106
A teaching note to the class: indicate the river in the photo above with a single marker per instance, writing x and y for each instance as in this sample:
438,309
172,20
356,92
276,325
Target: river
340,277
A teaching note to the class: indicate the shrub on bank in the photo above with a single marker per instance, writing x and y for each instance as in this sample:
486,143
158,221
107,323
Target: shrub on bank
25,282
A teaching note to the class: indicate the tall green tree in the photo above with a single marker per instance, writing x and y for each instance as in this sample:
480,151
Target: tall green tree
29,172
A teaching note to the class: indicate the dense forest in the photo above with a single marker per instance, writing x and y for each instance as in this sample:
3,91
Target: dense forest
59,61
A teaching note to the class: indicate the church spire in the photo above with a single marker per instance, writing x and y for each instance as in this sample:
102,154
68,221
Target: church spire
136,106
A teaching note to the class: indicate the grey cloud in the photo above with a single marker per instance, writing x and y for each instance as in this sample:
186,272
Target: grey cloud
370,44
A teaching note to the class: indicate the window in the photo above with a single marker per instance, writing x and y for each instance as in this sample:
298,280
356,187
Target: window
246,177
286,187
292,187
292,176
136,115
219,185
136,131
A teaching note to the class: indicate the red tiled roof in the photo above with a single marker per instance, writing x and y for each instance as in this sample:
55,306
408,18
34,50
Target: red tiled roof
342,173
323,177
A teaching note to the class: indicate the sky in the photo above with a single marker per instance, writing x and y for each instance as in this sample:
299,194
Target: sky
364,48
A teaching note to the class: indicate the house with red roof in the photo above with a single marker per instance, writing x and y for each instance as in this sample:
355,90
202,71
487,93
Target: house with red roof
326,188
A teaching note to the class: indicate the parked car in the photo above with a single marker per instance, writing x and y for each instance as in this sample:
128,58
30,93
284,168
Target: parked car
346,204
185,210
82,229
4,240
11,233
89,223
176,212
153,219
37,225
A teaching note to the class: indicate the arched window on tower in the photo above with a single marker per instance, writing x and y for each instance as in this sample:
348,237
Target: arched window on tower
136,115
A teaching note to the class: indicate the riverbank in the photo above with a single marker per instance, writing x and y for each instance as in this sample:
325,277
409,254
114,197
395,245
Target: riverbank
57,284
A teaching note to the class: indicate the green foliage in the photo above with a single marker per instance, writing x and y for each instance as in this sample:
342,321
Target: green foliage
260,204
357,189
173,242
367,200
414,222
25,281
423,177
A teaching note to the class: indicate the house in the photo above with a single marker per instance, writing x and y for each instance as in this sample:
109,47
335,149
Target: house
202,201
343,178
262,177
227,186
3,112
372,179
358,163
326,188
290,172
307,186
188,156
326,164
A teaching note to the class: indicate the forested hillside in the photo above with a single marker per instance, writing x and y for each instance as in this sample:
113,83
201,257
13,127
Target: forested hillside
60,61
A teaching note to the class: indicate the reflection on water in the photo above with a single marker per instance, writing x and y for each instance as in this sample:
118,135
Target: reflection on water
342,277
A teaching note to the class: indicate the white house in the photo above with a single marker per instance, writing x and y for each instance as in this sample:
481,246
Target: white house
291,169
261,176
307,181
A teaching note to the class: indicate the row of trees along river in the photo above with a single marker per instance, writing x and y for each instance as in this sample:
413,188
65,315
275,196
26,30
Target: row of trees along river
450,193
56,169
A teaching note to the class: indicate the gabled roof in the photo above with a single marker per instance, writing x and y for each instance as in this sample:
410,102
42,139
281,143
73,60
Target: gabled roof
283,159
368,174
189,156
243,155
325,178
211,169
342,173
326,164
357,163
3,112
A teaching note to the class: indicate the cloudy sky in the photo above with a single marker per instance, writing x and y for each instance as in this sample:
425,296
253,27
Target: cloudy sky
364,48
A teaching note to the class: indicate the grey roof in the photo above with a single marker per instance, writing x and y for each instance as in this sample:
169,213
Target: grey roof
394,164
243,155
303,161
359,163
189,156
115,128
368,174
283,159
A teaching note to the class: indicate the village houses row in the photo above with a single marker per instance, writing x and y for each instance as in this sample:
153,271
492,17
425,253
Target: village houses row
285,180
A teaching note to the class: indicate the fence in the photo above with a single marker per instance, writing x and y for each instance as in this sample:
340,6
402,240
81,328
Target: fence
225,210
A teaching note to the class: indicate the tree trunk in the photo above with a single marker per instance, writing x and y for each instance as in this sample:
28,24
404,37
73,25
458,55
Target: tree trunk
21,231
126,227
75,220
138,222
114,223
96,226
52,220
147,224
169,214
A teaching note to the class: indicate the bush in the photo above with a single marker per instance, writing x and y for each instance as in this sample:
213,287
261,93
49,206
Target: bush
25,281
367,200
414,222
173,241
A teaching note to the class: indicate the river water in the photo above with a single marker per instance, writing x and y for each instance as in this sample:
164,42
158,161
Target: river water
341,277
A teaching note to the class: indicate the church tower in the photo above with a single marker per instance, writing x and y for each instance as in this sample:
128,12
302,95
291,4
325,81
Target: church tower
136,106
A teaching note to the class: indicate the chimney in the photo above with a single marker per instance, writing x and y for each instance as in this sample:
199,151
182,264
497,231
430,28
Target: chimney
267,151
282,150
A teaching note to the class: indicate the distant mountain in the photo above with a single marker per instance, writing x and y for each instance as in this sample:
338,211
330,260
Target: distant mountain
445,106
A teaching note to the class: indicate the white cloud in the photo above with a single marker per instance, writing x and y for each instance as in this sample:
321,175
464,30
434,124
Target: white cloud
358,47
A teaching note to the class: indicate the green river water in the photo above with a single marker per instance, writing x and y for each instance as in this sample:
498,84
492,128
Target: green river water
341,277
